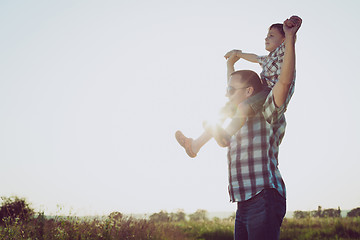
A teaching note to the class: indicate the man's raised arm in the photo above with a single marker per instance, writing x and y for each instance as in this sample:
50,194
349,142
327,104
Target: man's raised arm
281,88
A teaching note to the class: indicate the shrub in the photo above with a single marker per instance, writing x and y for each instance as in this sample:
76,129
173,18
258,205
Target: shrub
354,212
199,215
15,209
301,214
162,216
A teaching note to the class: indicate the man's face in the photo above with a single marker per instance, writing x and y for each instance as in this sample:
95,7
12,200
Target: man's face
237,91
273,39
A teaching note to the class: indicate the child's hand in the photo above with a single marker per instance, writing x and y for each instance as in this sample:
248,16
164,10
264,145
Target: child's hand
236,52
233,56
292,25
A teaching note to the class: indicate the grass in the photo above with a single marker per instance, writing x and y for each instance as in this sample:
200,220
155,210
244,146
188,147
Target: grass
209,230
109,228
321,228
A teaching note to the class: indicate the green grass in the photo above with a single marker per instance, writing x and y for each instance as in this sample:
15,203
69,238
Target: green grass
75,228
320,228
209,230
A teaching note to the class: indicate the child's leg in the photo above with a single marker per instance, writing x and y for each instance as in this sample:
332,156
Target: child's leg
219,134
192,146
246,109
222,136
201,141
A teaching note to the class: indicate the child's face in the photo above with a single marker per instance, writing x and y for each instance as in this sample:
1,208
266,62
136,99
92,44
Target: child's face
273,39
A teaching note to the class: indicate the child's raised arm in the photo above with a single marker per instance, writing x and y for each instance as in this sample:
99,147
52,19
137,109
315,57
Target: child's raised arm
234,55
232,58
251,57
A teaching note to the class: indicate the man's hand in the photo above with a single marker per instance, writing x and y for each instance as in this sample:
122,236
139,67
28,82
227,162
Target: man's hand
227,111
292,25
218,133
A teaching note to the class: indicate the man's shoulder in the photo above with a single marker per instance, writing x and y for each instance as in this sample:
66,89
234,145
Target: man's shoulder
271,112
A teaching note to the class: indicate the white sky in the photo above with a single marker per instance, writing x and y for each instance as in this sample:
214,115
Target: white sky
92,92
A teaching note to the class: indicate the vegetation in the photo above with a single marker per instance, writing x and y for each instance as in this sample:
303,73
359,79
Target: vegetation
14,209
354,213
19,221
331,212
320,228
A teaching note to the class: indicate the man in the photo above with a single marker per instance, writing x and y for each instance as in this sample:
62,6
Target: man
255,182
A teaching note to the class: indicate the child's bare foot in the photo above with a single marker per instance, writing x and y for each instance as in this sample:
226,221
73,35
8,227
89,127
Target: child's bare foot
186,143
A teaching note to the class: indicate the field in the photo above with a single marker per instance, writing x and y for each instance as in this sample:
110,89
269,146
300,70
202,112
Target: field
117,226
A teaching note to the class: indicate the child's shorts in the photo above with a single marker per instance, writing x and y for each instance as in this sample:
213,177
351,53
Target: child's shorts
257,101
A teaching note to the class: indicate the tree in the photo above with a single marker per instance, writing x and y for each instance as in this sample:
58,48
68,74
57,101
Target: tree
116,216
179,216
199,215
300,214
317,213
331,212
15,208
162,216
354,212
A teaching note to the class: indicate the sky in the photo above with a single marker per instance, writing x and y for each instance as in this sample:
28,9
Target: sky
92,92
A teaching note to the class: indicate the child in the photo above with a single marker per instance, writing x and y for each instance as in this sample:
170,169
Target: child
271,66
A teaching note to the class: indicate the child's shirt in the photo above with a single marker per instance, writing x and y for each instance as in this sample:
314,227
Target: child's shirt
271,68
271,65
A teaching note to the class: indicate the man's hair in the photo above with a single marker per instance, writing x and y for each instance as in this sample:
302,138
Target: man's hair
279,27
250,78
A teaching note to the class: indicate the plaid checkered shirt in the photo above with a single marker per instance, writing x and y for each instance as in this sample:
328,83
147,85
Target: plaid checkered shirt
271,65
253,152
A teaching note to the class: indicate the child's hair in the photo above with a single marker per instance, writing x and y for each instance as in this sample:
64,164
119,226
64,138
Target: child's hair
279,27
250,78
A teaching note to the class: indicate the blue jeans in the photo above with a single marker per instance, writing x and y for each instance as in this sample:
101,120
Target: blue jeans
260,217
